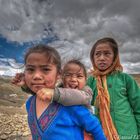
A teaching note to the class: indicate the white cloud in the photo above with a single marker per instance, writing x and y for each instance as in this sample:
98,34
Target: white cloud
77,21
9,67
9,71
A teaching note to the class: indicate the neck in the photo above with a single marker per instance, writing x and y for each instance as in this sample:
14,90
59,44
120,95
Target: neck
45,102
41,106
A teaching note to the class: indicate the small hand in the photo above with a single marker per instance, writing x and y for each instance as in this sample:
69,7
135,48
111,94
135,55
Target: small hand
18,80
45,94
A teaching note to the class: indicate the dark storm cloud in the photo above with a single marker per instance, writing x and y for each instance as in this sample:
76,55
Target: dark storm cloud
81,22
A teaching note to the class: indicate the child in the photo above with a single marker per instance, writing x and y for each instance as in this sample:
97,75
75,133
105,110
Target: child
73,84
74,80
51,120
74,77
116,94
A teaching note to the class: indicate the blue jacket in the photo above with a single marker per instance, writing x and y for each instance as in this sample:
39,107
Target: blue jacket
59,122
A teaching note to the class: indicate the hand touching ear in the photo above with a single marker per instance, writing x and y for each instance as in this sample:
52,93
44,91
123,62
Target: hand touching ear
18,80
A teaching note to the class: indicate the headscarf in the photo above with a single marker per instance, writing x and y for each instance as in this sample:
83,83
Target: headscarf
103,99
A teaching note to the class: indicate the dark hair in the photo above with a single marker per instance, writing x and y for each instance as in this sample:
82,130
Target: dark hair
77,62
108,40
50,52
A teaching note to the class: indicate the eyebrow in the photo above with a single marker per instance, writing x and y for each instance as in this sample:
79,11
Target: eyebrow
39,65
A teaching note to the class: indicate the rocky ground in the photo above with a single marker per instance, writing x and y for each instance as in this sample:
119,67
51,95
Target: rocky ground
13,117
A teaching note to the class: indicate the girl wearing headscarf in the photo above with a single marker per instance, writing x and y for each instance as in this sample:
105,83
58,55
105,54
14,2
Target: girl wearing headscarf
116,94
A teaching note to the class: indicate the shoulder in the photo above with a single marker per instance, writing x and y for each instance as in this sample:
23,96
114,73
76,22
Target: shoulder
88,89
90,80
78,114
90,77
126,79
125,76
77,109
122,74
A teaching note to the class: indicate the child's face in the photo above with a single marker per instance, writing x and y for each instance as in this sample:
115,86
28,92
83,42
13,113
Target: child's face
39,73
103,56
74,77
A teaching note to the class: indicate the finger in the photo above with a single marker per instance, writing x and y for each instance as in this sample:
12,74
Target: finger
40,94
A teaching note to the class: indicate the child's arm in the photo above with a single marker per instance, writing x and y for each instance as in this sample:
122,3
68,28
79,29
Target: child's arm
133,91
67,96
46,94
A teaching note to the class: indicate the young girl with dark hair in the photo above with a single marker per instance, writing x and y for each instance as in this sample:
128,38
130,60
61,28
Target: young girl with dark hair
49,119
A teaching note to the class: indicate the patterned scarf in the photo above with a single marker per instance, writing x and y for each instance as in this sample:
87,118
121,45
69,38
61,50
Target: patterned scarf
103,99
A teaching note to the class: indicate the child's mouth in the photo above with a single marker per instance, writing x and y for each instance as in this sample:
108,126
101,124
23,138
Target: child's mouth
102,65
38,86
73,86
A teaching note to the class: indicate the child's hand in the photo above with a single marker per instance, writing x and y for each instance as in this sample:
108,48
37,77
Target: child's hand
45,94
18,80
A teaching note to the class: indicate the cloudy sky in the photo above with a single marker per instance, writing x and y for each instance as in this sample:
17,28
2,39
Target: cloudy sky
72,26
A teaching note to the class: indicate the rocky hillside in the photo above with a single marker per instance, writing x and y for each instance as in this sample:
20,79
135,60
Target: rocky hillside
137,78
13,118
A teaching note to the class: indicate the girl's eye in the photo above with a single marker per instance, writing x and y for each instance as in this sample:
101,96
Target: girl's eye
97,54
80,76
46,69
67,75
107,53
29,69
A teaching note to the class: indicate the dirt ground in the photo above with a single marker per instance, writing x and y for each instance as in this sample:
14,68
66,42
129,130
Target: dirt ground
12,103
12,110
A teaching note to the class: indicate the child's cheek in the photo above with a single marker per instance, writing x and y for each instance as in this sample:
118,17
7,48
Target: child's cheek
50,83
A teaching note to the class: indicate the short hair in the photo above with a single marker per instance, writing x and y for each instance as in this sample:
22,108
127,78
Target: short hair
50,52
77,62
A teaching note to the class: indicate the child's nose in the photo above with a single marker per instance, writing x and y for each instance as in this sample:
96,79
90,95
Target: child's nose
37,75
73,77
102,57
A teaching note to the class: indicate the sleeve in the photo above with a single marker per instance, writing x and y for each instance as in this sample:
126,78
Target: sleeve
82,117
133,91
67,96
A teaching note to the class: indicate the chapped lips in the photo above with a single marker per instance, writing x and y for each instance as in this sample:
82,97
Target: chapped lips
102,64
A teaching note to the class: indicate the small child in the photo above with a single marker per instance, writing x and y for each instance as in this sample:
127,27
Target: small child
51,120
73,84
74,76
74,80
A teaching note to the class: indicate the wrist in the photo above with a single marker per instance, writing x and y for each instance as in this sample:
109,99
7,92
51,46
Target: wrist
56,94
